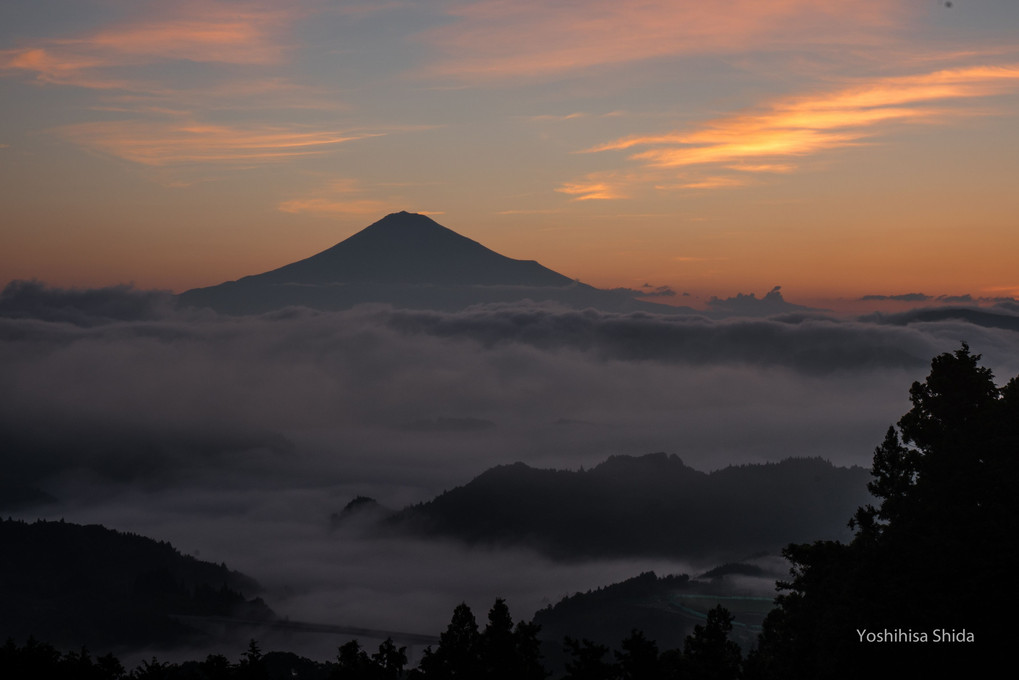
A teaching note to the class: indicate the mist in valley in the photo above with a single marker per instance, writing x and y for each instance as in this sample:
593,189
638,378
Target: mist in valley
238,439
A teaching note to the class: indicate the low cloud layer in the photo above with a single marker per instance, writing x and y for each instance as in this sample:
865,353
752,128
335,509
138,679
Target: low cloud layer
119,382
239,436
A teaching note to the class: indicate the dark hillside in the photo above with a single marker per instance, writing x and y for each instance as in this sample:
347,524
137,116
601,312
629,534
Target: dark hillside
71,585
651,505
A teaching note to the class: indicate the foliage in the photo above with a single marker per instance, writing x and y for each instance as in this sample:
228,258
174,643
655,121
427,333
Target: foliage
353,663
709,653
500,651
588,661
37,659
927,560
639,659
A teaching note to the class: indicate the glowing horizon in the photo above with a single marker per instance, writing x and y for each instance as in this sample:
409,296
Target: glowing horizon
837,150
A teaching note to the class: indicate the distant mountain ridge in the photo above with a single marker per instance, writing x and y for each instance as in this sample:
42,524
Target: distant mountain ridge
406,260
651,505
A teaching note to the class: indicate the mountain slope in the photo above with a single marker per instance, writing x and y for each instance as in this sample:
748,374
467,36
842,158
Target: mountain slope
406,260
407,248
648,505
664,608
70,584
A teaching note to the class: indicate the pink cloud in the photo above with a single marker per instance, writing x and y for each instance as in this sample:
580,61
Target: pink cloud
595,187
179,142
707,183
809,124
198,32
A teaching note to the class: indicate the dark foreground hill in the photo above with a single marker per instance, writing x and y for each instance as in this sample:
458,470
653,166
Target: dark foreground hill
406,260
652,505
664,608
70,584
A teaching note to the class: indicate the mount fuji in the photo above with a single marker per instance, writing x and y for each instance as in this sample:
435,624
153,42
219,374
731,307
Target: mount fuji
408,260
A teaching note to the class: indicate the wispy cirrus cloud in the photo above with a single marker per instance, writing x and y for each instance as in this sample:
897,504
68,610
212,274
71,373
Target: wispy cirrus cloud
200,33
724,152
805,125
713,182
762,167
180,142
598,186
153,106
767,139
537,38
54,67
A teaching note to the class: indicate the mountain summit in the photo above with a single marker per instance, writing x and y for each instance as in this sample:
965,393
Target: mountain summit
406,260
408,248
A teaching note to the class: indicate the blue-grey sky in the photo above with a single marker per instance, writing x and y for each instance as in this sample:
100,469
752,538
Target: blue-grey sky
838,149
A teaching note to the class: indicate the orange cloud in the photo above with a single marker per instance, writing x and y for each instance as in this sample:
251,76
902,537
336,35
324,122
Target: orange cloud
707,183
196,32
57,68
185,142
594,187
513,38
226,38
763,167
799,126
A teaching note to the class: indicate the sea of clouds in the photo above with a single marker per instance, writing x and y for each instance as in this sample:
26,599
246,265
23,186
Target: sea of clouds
236,438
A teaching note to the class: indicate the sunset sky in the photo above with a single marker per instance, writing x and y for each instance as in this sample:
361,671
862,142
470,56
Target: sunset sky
837,149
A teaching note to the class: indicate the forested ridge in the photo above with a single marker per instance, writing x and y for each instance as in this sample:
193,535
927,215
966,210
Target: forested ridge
644,505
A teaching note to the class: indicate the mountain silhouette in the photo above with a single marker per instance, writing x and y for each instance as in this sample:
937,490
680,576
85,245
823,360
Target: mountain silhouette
73,585
652,505
407,260
410,248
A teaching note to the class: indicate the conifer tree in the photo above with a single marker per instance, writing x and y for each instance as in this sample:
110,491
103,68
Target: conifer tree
923,560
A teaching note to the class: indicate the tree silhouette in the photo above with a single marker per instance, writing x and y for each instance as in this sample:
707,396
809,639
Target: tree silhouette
153,670
216,667
389,660
500,651
639,658
458,653
509,653
498,646
708,653
251,666
529,665
352,662
924,564
588,661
